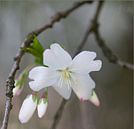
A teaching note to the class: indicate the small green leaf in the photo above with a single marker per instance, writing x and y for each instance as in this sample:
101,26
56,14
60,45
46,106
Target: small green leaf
38,60
32,51
37,45
36,49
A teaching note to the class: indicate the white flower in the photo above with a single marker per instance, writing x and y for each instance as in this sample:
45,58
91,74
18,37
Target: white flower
27,109
29,106
42,106
65,74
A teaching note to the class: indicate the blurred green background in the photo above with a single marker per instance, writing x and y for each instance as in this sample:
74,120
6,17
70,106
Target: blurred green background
114,84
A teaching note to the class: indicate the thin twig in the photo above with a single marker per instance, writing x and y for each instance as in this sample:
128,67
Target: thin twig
27,42
58,114
109,54
60,110
91,27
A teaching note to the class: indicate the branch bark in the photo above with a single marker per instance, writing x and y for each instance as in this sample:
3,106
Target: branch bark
27,42
91,27
108,53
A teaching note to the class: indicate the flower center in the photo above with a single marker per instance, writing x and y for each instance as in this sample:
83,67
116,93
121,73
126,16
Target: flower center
65,77
66,74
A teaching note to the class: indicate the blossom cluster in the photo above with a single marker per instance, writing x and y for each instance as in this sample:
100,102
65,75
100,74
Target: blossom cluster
64,74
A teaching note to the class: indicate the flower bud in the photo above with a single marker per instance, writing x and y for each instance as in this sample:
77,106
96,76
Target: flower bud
94,99
17,91
42,107
19,83
27,109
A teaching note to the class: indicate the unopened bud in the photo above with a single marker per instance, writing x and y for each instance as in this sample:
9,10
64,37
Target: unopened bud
94,99
42,107
17,91
27,109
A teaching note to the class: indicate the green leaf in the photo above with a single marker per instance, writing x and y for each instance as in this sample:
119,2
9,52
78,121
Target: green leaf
38,61
37,45
36,49
32,51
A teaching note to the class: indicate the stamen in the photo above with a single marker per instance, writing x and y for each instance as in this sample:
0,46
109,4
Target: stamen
65,75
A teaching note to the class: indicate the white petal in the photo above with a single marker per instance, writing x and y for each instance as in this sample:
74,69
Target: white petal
42,77
94,99
63,89
27,109
81,62
56,57
42,107
83,85
95,65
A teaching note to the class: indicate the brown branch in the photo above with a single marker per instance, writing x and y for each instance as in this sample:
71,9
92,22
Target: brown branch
58,114
60,15
27,42
10,81
91,27
109,54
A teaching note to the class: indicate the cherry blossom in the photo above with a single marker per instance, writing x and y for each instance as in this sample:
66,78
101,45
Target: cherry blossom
65,74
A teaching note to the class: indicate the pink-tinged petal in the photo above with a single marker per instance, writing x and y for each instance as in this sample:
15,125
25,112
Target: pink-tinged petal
83,85
27,109
56,57
81,62
42,77
17,91
42,107
94,99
